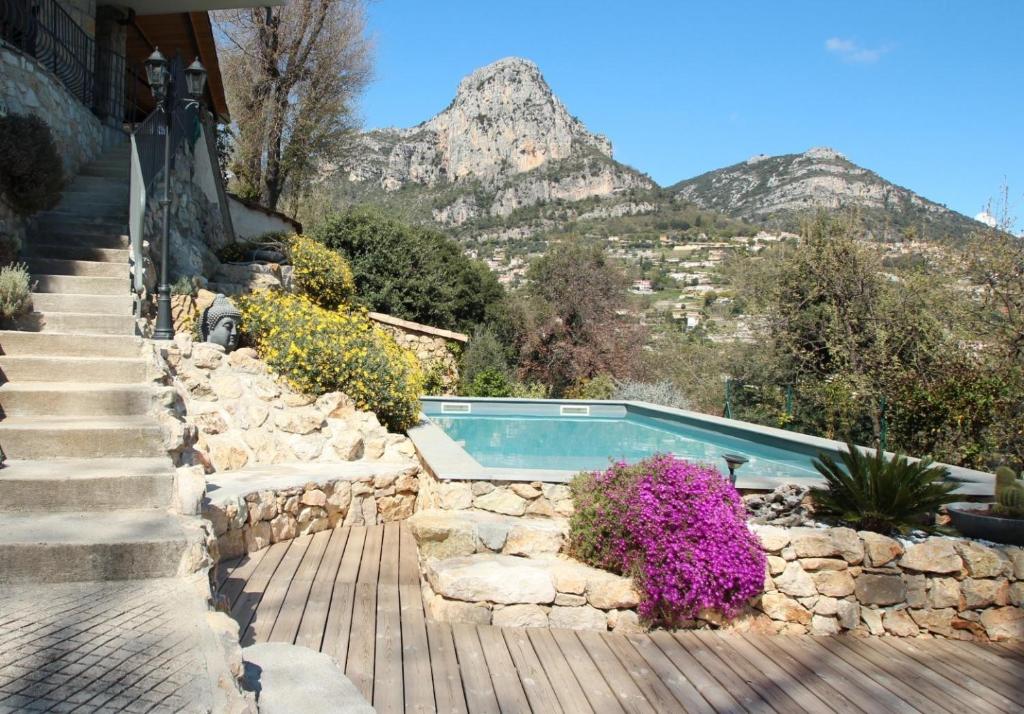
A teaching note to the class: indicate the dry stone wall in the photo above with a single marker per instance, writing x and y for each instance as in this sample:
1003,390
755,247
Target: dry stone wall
437,350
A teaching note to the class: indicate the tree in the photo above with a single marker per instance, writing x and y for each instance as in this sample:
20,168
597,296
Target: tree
412,272
292,74
574,327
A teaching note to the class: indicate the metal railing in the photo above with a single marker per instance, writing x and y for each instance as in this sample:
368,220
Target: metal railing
96,76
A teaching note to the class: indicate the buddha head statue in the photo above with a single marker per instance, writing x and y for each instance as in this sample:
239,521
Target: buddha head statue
220,323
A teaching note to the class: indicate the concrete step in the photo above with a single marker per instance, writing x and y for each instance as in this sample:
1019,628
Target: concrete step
74,399
105,545
89,183
118,223
90,268
86,484
60,225
79,237
62,251
107,172
76,437
81,285
77,322
92,304
58,368
13,342
117,215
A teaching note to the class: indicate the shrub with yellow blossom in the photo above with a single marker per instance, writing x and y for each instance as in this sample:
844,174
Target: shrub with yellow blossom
321,273
319,350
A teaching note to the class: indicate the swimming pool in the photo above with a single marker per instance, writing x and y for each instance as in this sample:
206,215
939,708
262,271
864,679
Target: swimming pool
552,440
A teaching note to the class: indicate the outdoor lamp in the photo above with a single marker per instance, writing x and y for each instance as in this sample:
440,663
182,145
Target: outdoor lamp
734,461
195,78
156,72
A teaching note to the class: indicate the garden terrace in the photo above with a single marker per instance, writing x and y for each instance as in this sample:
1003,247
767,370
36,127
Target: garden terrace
354,593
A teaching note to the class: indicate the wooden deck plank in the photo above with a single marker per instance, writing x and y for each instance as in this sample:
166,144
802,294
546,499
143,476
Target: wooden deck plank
408,558
416,672
244,607
568,690
339,616
387,668
531,672
904,690
754,676
683,689
626,690
1001,658
287,625
955,671
245,566
728,679
507,687
363,634
654,689
803,697
1011,674
222,571
476,680
314,619
262,624
595,687
444,666
708,687
798,672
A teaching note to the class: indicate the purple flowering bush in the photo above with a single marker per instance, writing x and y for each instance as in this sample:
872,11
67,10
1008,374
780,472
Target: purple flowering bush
677,528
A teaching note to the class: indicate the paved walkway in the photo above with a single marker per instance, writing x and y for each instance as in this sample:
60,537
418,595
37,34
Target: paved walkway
131,646
355,593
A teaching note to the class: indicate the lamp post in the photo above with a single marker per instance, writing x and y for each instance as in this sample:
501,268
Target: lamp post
161,85
734,461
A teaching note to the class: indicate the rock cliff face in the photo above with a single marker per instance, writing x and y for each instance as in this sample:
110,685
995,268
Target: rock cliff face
505,142
779,190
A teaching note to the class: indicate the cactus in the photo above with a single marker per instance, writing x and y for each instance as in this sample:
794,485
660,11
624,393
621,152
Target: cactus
1010,501
1005,476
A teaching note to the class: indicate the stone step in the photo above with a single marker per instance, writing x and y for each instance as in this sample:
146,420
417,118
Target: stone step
80,237
88,183
96,204
90,268
88,214
13,342
445,534
107,172
70,219
91,304
86,484
106,545
78,437
58,368
78,322
81,285
65,251
74,398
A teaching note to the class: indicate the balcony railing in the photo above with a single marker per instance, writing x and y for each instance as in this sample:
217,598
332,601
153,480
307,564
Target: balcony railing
97,77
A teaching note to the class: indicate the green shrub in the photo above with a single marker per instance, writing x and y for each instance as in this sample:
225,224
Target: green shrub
15,291
320,351
31,170
600,387
484,352
489,383
321,273
878,494
663,393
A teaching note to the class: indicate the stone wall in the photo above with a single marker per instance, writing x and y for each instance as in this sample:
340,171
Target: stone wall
511,498
437,350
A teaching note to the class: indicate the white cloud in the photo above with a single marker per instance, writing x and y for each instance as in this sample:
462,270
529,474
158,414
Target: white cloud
850,51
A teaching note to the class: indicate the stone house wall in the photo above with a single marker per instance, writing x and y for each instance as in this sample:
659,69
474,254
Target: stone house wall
437,350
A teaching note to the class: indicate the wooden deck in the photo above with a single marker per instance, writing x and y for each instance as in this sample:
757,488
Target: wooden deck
354,593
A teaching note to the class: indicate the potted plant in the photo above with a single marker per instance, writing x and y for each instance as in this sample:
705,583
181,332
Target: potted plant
1002,521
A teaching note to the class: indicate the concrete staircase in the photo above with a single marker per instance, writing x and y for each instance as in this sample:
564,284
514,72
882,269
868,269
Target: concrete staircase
86,492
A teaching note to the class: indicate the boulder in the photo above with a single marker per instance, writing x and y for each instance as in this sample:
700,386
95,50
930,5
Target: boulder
443,610
612,593
492,578
1004,623
834,583
578,618
501,500
785,609
876,589
879,549
821,625
773,539
935,555
289,678
795,581
533,537
873,619
848,614
520,616
438,536
983,593
944,592
939,622
899,623
980,561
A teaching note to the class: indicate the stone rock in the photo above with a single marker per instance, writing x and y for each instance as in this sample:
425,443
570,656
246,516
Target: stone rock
290,678
873,619
821,625
373,448
306,447
1016,594
569,577
396,508
407,483
848,614
624,622
295,399
785,609
541,507
283,527
848,545
189,489
262,506
519,616
811,564
348,445
899,623
492,578
210,422
257,536
437,536
299,421
1016,556
795,581
335,405
226,453
455,495
480,488
314,497
826,606
1004,623
776,564
443,610
939,622
944,592
916,590
875,589
935,555
612,593
501,500
813,542
226,386
879,549
531,539
980,561
492,535
341,496
567,600
834,583
982,593
206,355
578,618
773,539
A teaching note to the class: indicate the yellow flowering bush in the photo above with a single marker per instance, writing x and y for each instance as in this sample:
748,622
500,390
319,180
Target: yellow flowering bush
321,273
319,350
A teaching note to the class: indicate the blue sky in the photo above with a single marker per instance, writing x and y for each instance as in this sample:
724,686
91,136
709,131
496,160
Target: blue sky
928,94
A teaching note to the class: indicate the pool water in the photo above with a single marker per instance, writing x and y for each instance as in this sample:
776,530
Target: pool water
590,443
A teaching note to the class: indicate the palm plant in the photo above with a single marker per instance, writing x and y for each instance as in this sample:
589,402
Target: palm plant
879,494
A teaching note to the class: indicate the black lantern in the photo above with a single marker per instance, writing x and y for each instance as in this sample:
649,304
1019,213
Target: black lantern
734,461
195,78
156,73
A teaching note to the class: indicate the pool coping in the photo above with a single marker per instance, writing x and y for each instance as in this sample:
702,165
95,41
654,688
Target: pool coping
450,462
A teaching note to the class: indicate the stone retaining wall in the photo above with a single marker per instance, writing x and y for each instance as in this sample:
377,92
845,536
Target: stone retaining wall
510,498
437,350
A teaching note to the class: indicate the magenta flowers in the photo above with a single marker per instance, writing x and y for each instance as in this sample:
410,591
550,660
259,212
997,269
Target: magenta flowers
679,529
